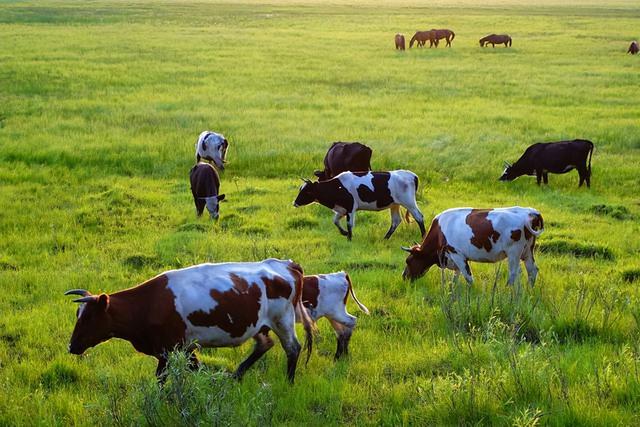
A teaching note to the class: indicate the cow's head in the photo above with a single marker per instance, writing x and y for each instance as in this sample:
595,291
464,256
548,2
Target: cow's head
213,205
418,263
213,147
308,193
509,173
481,43
93,324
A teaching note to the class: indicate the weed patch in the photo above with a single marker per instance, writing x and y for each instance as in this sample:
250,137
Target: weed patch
580,250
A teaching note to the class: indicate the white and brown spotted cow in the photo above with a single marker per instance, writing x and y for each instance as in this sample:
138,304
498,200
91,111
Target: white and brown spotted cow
325,295
457,236
365,191
213,305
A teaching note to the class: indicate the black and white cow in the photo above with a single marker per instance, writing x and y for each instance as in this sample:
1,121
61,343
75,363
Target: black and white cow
205,187
212,146
555,157
326,295
366,191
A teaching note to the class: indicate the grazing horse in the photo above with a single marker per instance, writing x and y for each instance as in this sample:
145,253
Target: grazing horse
633,48
495,39
448,35
421,38
400,41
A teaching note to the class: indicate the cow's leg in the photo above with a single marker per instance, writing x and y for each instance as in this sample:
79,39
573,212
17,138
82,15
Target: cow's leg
396,219
336,221
263,344
463,266
161,373
582,171
417,215
194,363
545,177
200,204
538,176
514,269
351,222
285,329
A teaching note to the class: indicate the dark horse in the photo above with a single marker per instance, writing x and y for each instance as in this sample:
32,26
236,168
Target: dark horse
448,35
495,39
421,38
399,41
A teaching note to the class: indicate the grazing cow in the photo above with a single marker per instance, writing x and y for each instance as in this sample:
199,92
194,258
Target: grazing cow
213,305
326,295
345,156
212,146
205,187
367,191
457,236
633,48
400,44
421,38
495,39
555,157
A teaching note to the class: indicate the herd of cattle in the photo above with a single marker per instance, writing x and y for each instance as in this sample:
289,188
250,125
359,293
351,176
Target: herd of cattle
226,304
433,36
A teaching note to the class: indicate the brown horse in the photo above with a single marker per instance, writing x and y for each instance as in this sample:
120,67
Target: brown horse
437,35
400,41
633,48
421,38
495,39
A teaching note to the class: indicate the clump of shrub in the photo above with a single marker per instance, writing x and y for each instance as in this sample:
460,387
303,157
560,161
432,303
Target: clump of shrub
631,275
580,250
614,211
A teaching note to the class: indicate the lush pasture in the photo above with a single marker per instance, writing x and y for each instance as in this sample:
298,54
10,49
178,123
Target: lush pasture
100,106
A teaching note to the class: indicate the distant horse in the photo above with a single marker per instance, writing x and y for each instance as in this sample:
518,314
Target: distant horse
421,38
437,35
495,39
400,41
633,48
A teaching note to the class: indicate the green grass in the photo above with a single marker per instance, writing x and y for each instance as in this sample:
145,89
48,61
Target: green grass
100,107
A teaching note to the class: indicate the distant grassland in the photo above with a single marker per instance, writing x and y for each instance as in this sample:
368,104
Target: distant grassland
100,107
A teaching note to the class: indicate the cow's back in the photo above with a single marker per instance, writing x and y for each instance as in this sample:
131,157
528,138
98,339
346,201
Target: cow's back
204,180
347,156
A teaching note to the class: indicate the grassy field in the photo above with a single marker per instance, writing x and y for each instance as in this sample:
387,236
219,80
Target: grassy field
100,107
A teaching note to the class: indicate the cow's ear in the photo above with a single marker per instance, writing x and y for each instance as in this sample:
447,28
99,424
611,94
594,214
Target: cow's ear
103,301
221,197
204,145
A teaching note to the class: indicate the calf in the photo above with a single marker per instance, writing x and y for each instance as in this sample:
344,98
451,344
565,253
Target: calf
345,156
326,295
633,48
400,43
212,146
554,157
213,305
368,191
205,188
457,236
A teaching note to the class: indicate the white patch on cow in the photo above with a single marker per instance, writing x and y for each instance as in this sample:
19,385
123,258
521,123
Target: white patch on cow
210,146
192,288
81,309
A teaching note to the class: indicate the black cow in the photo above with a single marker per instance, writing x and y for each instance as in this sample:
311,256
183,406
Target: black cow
205,187
633,48
345,156
555,157
365,191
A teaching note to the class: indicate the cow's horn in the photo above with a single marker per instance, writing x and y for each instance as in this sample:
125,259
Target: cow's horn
507,164
81,292
308,181
84,299
405,248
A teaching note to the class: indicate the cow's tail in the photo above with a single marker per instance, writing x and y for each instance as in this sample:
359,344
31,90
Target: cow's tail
302,315
361,306
413,39
509,41
535,221
416,182
590,154
453,35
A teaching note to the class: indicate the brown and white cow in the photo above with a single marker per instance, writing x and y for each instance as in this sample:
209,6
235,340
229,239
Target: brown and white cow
213,305
457,236
205,188
325,295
